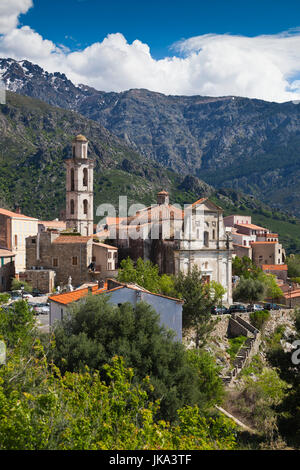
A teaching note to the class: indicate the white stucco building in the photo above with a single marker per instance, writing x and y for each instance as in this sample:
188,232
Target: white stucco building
169,309
14,229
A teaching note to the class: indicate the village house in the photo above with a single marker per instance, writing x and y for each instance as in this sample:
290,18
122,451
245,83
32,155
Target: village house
258,244
169,309
14,229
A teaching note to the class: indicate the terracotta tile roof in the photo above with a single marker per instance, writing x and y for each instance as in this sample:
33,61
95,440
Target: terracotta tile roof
6,253
274,267
15,215
104,245
292,295
53,223
199,201
71,239
69,297
252,226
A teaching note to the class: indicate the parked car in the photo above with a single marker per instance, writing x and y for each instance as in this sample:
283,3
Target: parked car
255,308
37,293
237,308
26,295
272,307
16,294
219,310
41,308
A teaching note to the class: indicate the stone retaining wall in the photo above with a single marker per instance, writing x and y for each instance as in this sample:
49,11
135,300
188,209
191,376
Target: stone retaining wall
278,317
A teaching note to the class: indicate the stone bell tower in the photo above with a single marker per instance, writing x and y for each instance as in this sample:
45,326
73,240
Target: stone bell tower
79,187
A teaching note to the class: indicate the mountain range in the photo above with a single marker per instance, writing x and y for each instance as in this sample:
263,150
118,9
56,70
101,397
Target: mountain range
35,138
245,144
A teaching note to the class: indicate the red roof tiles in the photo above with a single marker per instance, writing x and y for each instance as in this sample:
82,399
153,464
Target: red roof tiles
274,267
71,239
15,215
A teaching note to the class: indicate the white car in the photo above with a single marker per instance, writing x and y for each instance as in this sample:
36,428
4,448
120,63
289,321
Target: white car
41,308
27,296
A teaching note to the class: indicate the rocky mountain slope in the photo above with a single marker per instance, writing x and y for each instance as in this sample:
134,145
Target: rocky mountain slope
230,142
35,138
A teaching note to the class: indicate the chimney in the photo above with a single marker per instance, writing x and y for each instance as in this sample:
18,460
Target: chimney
163,198
18,210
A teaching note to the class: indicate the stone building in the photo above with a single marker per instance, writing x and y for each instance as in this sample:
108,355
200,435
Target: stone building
267,253
7,269
278,270
63,250
255,242
176,239
66,255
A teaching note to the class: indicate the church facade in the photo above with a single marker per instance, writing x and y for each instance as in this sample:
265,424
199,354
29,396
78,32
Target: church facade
176,239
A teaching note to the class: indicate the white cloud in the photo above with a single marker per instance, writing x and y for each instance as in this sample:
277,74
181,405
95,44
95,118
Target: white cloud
10,11
265,67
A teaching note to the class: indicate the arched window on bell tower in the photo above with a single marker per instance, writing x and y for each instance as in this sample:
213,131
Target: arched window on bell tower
85,206
85,177
72,179
72,208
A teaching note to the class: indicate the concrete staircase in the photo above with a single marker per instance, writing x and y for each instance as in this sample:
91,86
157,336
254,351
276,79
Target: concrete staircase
237,327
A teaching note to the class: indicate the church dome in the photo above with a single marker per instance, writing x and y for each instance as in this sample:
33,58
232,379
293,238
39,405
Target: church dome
80,138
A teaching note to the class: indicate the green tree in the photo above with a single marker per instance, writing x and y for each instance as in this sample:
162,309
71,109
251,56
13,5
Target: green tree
272,290
4,298
79,411
16,285
258,398
17,323
209,383
145,274
198,298
289,371
293,262
244,267
260,318
95,331
249,290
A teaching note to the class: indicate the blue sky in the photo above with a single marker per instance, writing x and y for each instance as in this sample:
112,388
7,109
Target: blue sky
159,23
213,48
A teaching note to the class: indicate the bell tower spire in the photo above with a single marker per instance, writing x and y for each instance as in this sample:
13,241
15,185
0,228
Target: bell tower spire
79,188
